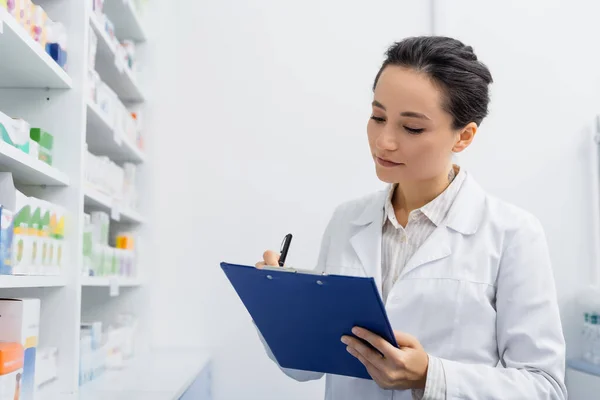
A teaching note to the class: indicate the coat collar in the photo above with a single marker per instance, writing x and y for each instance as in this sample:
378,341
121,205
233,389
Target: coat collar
464,216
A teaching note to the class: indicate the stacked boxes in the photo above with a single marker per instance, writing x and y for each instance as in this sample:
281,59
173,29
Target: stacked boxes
38,245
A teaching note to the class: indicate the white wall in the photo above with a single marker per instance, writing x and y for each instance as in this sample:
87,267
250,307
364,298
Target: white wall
534,148
259,122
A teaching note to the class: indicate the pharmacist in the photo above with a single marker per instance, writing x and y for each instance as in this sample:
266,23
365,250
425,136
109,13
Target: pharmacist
465,277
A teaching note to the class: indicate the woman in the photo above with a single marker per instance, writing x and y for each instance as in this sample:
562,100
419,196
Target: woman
466,278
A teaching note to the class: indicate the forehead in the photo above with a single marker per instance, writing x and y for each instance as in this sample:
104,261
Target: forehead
404,89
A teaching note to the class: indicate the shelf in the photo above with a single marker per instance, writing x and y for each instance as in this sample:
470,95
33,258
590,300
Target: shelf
27,170
16,281
158,375
98,200
584,366
132,216
106,281
120,80
100,137
24,63
124,16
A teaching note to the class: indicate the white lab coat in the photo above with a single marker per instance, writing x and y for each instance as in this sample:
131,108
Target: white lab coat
479,294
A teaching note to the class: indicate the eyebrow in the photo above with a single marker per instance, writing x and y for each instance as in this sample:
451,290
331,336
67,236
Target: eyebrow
411,114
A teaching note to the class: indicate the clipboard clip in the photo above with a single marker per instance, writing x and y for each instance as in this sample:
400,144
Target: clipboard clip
293,270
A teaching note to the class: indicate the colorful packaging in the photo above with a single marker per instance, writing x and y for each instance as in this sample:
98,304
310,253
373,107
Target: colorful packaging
21,247
125,241
6,239
56,42
14,132
19,323
53,239
44,237
22,12
38,25
57,233
11,370
35,256
46,142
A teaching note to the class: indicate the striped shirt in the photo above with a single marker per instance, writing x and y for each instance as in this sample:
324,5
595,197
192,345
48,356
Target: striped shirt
400,243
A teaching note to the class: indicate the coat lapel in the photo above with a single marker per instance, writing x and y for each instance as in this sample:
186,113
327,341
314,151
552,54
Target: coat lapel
435,247
366,241
464,217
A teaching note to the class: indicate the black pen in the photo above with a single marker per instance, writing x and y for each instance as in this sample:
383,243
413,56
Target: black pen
285,247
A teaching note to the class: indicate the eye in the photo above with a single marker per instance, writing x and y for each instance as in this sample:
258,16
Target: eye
379,120
414,131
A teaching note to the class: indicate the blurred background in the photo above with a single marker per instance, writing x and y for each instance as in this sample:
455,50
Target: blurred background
186,133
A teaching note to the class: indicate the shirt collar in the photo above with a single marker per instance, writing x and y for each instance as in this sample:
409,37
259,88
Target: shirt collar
436,210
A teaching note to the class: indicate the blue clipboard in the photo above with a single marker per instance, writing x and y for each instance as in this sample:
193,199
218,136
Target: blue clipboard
303,315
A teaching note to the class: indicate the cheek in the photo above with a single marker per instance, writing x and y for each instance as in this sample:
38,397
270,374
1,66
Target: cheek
418,149
423,152
372,133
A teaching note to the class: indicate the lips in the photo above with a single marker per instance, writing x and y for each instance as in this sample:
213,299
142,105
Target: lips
386,163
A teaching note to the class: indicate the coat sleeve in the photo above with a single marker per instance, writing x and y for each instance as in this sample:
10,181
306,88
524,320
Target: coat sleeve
531,345
304,376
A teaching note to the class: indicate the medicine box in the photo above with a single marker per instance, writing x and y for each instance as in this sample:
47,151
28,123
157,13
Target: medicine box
11,370
19,323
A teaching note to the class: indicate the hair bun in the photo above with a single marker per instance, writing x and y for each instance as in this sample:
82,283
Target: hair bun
470,54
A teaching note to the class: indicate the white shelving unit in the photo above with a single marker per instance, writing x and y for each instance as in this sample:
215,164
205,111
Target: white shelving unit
34,87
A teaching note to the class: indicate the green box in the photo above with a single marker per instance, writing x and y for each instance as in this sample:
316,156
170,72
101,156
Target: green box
46,142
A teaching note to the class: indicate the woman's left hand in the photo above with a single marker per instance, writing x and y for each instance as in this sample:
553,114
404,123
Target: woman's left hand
399,369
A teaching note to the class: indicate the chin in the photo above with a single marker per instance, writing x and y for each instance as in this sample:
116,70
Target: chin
385,175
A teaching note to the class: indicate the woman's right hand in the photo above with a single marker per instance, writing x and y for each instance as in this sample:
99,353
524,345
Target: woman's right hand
270,258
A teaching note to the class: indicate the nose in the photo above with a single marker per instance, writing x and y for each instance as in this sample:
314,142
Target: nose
387,139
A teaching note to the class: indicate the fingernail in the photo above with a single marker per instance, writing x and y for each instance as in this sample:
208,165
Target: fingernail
344,340
356,331
349,349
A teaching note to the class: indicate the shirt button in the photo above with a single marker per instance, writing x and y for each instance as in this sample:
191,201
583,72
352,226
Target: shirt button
403,238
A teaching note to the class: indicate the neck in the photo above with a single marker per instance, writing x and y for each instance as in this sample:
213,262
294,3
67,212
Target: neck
410,196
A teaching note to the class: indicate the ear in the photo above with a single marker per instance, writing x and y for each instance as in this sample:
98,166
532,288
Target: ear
465,137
